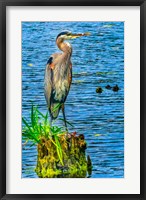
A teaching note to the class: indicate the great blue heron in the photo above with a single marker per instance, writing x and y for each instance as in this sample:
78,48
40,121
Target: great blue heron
58,75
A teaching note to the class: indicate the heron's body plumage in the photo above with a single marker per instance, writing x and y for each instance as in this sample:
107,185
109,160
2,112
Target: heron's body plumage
58,76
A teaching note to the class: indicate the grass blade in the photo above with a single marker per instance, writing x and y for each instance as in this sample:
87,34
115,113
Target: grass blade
26,124
32,116
56,107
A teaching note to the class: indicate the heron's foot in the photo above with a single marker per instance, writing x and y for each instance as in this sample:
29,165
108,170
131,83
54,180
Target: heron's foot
67,135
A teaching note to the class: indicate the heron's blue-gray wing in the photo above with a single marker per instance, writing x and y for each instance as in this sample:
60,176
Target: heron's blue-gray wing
48,80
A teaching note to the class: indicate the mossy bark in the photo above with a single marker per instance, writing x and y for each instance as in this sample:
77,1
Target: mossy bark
72,162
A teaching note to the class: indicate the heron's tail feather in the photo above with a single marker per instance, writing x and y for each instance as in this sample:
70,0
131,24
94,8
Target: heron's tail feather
54,110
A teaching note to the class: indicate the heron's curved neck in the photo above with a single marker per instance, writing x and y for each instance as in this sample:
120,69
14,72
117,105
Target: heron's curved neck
64,46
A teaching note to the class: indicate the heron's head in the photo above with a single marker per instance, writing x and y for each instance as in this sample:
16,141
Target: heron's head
67,35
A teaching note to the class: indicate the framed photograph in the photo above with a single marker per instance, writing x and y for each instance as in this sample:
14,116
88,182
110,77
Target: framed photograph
72,99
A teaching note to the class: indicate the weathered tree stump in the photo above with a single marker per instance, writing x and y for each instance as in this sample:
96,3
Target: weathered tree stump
73,162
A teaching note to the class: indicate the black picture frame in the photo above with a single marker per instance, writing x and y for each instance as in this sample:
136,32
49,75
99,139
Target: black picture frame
3,127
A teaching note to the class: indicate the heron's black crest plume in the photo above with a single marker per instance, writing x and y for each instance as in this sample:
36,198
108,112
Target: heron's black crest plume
63,33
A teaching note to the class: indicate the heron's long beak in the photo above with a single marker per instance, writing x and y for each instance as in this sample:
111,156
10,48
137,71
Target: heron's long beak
73,36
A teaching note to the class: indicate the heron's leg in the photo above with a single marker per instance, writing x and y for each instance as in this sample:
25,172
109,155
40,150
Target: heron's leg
50,117
51,121
63,111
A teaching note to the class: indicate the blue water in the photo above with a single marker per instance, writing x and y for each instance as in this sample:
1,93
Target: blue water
98,60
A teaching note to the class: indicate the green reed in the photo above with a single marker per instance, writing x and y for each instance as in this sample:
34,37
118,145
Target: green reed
39,127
